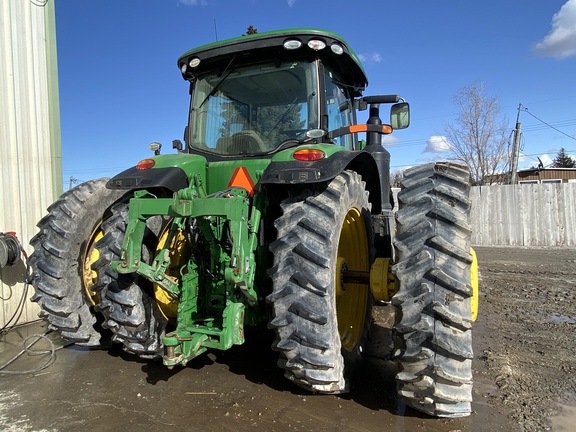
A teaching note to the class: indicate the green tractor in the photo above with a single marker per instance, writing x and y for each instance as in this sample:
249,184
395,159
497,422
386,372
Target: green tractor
272,212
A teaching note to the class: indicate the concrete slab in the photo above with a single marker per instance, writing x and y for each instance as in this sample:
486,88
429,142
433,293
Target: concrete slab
238,390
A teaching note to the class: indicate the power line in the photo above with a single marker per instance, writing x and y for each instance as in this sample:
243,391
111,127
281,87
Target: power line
547,124
547,153
561,123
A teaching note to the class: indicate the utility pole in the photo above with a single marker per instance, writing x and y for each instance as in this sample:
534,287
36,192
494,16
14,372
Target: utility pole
72,182
515,149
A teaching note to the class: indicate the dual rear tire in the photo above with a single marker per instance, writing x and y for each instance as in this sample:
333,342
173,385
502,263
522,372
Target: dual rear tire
64,250
322,323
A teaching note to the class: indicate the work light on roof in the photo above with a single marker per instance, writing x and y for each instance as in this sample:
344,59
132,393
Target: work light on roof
337,49
292,44
194,62
316,44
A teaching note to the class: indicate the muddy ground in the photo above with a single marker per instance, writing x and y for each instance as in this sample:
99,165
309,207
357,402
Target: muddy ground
525,336
524,373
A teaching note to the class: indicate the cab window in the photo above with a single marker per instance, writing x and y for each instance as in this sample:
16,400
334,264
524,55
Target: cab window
339,108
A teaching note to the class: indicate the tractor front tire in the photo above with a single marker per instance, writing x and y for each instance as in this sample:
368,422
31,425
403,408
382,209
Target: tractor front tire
433,330
64,249
321,320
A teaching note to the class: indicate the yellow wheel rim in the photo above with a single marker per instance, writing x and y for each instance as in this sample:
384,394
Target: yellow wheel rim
351,298
92,254
474,284
179,250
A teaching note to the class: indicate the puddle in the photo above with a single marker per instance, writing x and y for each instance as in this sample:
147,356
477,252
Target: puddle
566,421
9,422
557,318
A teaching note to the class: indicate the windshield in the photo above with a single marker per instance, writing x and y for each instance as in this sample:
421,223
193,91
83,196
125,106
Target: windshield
253,109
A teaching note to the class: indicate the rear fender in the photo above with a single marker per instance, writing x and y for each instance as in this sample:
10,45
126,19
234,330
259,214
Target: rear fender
294,173
171,179
169,173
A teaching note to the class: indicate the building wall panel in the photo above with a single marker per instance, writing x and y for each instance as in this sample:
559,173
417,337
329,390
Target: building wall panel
28,131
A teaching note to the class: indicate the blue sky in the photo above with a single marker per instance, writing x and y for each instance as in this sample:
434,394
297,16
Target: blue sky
120,88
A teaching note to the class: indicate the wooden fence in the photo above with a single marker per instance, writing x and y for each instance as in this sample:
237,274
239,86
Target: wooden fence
524,215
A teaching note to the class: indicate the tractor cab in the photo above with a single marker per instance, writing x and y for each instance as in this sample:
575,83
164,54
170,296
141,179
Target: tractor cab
258,94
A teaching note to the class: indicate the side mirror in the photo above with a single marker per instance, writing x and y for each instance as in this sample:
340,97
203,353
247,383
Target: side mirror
400,115
177,144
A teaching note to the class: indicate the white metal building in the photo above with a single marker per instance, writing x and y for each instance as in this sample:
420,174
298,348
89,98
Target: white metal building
30,146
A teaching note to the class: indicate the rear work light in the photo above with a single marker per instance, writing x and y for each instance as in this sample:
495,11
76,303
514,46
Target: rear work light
292,44
316,44
309,155
337,49
145,164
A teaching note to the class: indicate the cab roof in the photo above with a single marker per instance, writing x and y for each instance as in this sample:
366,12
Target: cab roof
260,47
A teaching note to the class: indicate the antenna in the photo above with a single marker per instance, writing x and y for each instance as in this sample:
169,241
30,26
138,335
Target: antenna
215,30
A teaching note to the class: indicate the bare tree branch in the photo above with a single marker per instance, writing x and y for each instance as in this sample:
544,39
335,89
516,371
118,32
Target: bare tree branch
479,136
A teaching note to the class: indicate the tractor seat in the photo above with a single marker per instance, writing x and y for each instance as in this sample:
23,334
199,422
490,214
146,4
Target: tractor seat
246,141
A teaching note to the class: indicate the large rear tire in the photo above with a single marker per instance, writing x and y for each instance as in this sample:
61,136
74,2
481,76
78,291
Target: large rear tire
127,301
61,261
433,329
321,322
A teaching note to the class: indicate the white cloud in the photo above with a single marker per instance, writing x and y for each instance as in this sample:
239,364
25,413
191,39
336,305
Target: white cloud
370,58
389,140
527,162
561,41
437,144
291,3
546,160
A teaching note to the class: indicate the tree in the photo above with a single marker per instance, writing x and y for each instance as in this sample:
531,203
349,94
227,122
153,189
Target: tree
479,136
251,30
396,178
562,160
274,120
